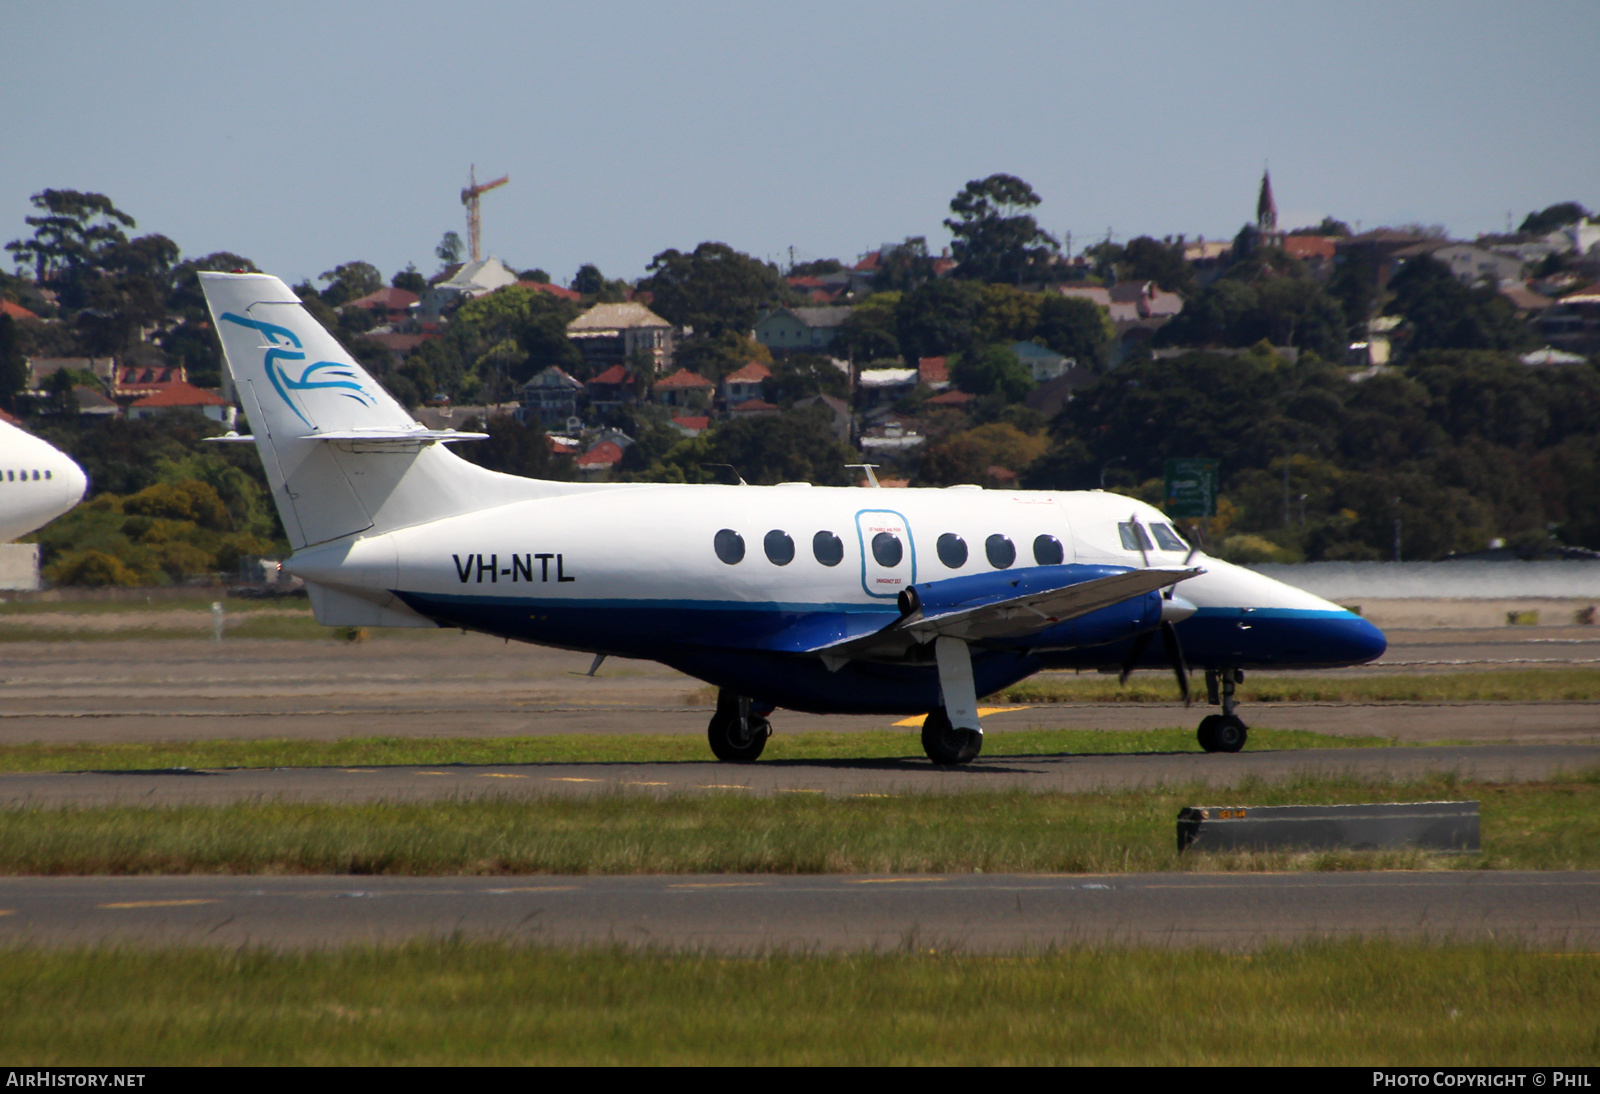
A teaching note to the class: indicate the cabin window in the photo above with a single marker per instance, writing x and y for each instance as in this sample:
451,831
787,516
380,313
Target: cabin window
729,545
779,547
1167,538
887,549
36,476
952,550
828,548
1047,551
47,472
1001,551
1134,537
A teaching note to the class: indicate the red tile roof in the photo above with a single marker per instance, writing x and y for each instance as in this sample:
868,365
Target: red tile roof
1309,246
683,378
616,374
755,406
950,398
551,290
182,393
15,311
752,373
933,370
604,454
391,298
696,423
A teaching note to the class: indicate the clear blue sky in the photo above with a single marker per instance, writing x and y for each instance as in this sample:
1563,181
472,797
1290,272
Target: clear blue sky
308,134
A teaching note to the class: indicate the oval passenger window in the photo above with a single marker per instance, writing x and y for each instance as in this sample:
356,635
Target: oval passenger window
1001,551
1047,551
779,548
887,549
828,548
729,545
952,550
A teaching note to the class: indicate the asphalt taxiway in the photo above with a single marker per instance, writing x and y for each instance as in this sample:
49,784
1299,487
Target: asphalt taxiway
748,914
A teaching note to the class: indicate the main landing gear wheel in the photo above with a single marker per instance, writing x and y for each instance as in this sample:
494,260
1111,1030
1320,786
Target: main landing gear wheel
945,744
736,735
1222,733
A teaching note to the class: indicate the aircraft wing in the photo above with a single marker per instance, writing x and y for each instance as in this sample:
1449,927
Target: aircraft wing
1012,618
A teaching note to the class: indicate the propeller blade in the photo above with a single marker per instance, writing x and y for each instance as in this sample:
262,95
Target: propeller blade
1169,638
1136,654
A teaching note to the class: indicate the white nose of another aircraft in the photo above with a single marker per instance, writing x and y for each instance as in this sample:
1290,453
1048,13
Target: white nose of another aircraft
38,483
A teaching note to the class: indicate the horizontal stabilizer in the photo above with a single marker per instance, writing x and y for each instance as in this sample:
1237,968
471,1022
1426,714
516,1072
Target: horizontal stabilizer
375,436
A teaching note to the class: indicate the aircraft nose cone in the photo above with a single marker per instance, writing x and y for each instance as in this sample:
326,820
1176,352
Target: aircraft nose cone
1362,641
77,483
1175,609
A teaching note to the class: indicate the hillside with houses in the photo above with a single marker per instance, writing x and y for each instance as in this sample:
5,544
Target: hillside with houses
1365,392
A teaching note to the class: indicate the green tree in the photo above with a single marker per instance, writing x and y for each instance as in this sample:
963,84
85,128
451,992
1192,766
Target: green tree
449,250
409,279
714,289
70,234
589,280
798,375
1442,313
938,319
350,281
994,370
996,238
515,449
13,363
1076,328
1548,220
869,331
1146,259
903,267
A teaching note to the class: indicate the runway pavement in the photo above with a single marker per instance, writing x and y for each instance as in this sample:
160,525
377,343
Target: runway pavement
447,684
745,914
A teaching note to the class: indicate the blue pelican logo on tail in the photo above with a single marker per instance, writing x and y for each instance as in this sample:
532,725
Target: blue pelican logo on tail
283,382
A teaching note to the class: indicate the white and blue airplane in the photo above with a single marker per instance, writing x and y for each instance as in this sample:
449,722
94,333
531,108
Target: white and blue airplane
38,482
815,599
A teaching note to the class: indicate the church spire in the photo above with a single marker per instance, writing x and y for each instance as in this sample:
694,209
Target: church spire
1266,208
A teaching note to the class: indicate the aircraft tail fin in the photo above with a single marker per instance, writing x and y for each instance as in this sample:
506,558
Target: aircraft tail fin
336,446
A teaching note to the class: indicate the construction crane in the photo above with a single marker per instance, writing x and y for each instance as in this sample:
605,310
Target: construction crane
469,198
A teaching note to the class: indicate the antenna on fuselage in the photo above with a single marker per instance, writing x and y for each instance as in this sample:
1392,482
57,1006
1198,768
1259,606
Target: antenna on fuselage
868,468
731,468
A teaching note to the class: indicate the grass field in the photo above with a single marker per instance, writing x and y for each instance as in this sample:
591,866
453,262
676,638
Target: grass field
607,748
1367,1003
1540,826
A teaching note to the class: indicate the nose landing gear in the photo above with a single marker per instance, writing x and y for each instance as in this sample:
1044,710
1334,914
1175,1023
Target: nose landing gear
1225,732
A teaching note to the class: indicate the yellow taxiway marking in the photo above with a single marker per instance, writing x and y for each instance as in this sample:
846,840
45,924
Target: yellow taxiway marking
534,889
722,786
870,795
432,773
799,790
360,770
568,779
645,784
916,720
896,880
719,885
8,911
499,775
155,903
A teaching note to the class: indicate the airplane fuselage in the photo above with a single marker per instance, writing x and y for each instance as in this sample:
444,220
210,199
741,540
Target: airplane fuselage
732,583
38,482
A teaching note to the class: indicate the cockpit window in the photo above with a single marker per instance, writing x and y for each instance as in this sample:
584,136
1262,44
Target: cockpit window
1167,539
1134,537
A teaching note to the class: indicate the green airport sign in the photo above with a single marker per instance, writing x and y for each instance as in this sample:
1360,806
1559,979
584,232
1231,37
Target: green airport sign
1191,488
